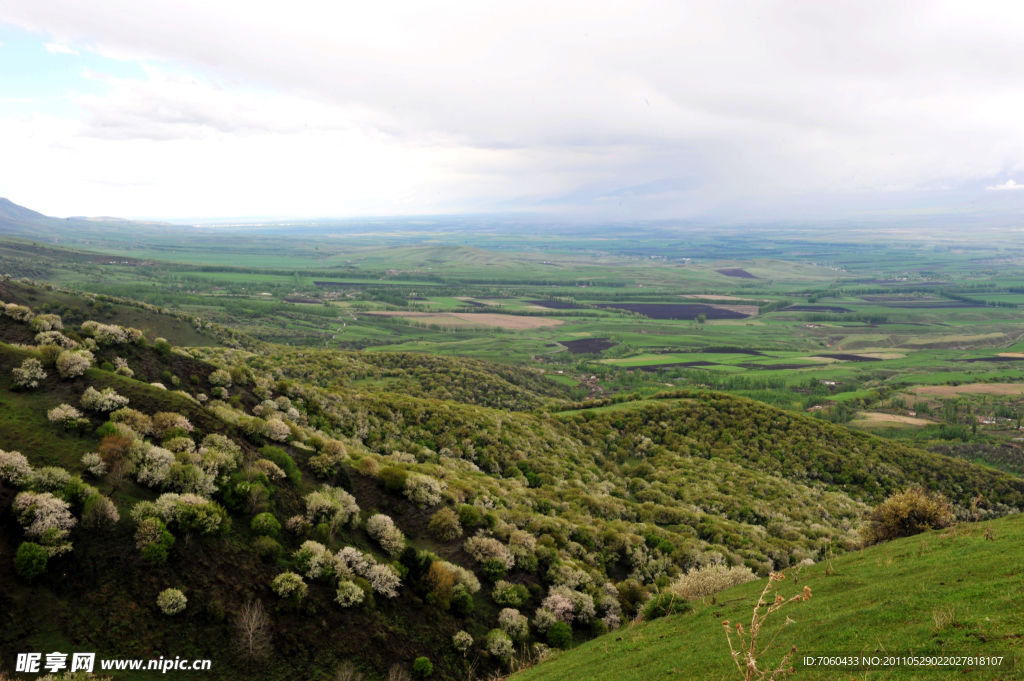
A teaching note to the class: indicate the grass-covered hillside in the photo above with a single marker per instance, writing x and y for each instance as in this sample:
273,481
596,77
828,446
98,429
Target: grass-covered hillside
944,592
382,508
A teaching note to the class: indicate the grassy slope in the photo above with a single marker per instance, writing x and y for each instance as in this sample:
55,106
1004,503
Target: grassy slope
882,599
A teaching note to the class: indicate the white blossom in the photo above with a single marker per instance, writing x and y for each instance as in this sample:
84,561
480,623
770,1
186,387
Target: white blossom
14,468
383,529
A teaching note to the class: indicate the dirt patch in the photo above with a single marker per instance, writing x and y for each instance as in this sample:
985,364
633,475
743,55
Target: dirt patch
501,321
710,296
677,311
883,355
999,358
849,358
738,273
870,419
585,346
971,389
1018,355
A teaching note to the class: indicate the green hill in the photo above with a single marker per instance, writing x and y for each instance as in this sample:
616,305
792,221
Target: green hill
943,592
599,508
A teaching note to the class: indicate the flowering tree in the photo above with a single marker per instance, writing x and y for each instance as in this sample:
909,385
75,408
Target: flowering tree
167,420
94,463
332,505
56,339
46,518
105,400
65,415
171,601
423,490
515,625
289,585
445,526
19,313
278,430
220,378
29,374
46,322
383,529
484,548
462,641
14,468
349,594
384,580
315,561
121,368
73,363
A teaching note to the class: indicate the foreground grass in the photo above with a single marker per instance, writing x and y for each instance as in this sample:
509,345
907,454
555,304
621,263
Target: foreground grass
951,591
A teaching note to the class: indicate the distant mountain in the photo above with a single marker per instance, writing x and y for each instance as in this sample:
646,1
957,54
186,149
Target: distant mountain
17,220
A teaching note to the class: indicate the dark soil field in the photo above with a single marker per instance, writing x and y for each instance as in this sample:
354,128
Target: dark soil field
651,368
816,308
942,305
587,346
988,359
774,367
849,358
674,311
302,300
555,304
741,274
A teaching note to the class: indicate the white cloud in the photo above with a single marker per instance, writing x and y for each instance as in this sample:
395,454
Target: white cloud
1008,185
674,109
59,48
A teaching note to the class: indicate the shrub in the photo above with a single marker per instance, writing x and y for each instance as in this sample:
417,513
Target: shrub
265,524
368,466
45,518
220,378
166,421
500,645
29,374
289,585
560,635
100,513
392,478
284,462
383,529
30,560
71,364
107,400
384,580
444,525
484,548
462,641
278,430
470,516
348,594
423,490
508,594
121,368
19,313
14,468
515,625
65,415
905,514
462,602
55,338
46,322
171,601
665,604
266,548
422,667
709,580
136,420
332,505
493,569
93,463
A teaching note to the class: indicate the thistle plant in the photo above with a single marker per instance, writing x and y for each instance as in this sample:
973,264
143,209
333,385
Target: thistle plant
747,650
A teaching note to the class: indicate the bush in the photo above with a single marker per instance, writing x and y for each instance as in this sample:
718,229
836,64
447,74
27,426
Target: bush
444,525
462,601
368,466
709,580
500,645
284,462
392,478
289,585
14,468
905,514
665,604
515,625
30,560
29,374
470,516
265,524
383,529
560,635
462,641
72,364
105,400
422,667
511,595
423,490
171,601
493,569
349,594
266,548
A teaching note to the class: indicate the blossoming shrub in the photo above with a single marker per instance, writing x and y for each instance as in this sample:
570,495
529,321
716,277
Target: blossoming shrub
73,363
29,373
709,580
289,585
14,468
445,525
423,490
383,530
105,400
171,601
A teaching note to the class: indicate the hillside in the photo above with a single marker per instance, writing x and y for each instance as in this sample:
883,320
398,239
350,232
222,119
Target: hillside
938,593
494,500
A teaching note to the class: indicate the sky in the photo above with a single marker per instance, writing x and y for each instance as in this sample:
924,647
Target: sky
595,110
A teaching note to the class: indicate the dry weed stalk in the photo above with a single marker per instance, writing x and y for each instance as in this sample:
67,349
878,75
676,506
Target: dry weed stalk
990,534
829,569
747,641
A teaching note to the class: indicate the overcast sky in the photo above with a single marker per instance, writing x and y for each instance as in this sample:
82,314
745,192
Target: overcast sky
598,110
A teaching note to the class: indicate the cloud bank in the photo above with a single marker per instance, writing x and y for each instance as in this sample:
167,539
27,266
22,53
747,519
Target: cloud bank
612,110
